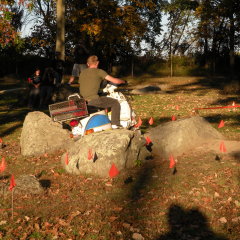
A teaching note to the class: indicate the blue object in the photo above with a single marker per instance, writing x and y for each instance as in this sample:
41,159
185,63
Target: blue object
97,121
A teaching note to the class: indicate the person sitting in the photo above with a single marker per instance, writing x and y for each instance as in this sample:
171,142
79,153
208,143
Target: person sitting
90,80
47,86
34,85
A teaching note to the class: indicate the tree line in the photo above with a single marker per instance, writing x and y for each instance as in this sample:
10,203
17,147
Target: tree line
117,30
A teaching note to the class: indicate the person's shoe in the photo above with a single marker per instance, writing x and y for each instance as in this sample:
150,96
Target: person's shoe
116,127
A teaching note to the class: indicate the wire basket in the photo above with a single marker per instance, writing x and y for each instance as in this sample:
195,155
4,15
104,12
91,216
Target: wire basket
67,110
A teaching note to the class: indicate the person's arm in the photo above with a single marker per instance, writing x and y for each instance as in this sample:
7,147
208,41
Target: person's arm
114,80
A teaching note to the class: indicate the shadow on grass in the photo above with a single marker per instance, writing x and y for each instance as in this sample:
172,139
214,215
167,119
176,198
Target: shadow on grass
143,179
236,156
202,84
216,118
10,130
45,183
188,224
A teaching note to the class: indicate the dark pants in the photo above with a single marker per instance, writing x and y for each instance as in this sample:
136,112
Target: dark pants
45,95
106,102
33,97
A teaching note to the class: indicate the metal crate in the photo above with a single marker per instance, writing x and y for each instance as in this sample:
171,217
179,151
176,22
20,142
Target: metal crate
67,110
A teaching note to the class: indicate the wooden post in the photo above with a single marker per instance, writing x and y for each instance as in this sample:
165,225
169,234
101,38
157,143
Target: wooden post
60,38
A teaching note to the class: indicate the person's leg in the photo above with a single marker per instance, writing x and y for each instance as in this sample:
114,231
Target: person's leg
30,98
35,96
106,102
42,96
49,94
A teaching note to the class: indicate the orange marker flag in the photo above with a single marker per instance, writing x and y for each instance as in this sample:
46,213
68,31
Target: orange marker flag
3,165
221,124
1,140
12,183
113,172
90,154
148,141
172,161
139,123
177,107
173,118
66,158
222,147
150,121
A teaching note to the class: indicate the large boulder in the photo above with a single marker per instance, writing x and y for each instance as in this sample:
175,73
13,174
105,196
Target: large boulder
121,147
41,135
177,137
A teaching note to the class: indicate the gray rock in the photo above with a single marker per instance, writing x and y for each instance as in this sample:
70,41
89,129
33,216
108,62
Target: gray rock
28,184
122,147
25,184
176,137
41,135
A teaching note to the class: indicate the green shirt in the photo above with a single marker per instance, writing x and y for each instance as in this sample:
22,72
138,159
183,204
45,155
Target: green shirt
90,80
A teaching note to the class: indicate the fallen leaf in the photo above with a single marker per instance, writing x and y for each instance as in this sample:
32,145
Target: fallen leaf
112,218
237,203
223,220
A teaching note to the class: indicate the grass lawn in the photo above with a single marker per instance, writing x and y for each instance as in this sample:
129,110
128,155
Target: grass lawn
200,202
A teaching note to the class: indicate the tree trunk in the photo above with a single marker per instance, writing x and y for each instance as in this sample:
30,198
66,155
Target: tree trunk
60,38
231,46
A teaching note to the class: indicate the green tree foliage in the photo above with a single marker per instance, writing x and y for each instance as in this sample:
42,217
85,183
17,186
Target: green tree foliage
218,29
110,28
208,28
179,36
10,22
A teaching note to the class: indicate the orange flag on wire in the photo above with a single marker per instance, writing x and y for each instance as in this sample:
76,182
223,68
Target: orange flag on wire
1,140
90,154
172,161
148,140
173,118
12,183
221,124
66,159
233,104
113,172
139,123
177,107
150,121
222,147
3,165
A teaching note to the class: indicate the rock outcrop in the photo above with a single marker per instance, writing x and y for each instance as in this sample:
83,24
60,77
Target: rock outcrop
176,137
95,153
